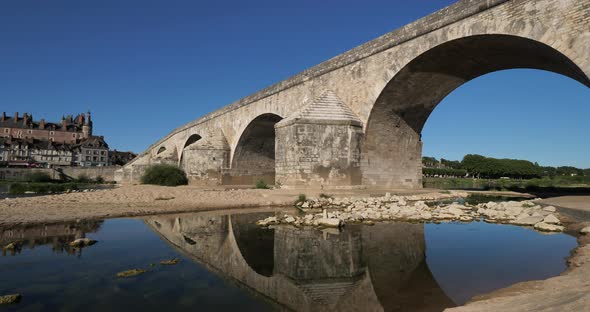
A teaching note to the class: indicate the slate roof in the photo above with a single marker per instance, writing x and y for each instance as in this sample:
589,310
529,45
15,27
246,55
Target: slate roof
327,108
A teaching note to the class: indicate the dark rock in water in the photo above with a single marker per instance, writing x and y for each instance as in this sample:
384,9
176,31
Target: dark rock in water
170,262
82,242
130,273
12,246
10,299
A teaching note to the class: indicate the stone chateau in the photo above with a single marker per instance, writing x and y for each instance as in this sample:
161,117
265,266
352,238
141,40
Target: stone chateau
70,142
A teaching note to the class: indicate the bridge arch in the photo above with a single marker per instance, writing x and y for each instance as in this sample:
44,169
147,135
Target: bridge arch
253,158
392,147
192,139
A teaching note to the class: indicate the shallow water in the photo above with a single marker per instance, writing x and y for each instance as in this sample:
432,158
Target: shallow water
228,264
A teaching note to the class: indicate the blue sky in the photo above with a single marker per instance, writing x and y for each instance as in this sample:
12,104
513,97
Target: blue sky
146,67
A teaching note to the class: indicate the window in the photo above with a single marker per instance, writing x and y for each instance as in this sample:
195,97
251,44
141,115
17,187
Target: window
29,131
88,158
73,135
87,152
94,158
95,152
102,159
51,132
102,153
6,130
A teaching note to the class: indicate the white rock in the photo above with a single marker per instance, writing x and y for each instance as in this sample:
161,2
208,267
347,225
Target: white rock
465,218
551,219
305,205
532,220
330,222
549,208
585,230
426,215
542,226
454,210
289,219
513,211
267,221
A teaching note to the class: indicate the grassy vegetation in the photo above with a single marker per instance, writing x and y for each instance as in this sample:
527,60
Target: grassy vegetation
555,185
37,176
42,183
42,187
165,175
260,184
300,199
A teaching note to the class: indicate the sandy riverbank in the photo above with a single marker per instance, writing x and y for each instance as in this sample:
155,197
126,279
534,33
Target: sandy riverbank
138,200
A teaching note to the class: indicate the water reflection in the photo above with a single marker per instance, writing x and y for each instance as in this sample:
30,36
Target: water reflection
229,264
376,268
58,236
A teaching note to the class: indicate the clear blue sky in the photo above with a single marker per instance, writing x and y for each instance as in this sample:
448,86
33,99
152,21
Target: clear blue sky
146,67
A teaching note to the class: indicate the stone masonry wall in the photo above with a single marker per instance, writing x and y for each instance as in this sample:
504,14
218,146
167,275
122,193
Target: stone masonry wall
205,166
318,154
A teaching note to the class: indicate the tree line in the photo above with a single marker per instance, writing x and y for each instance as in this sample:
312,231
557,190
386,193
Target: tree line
479,166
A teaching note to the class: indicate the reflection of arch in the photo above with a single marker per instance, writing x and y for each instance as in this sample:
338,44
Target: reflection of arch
396,258
255,243
254,156
392,148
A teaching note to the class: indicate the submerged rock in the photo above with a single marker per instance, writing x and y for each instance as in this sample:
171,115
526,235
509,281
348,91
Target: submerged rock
170,262
12,246
130,273
82,242
546,227
330,222
10,299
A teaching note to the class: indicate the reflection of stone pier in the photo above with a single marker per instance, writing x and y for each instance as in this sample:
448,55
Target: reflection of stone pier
379,268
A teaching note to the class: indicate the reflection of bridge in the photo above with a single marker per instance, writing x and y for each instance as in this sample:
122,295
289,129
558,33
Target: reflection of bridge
379,268
57,235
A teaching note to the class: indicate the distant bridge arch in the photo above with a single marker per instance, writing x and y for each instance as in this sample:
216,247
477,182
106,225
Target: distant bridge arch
253,158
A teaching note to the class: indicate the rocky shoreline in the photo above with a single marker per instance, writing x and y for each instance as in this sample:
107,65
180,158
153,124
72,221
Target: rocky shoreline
330,212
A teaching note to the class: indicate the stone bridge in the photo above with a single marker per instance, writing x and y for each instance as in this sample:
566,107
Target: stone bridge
357,118
379,268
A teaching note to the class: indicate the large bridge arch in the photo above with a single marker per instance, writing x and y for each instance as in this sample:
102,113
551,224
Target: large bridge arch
392,147
192,139
253,157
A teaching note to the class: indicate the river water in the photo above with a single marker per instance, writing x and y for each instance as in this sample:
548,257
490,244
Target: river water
227,263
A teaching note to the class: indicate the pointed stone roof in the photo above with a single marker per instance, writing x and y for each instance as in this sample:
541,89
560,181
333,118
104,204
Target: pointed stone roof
326,109
214,141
